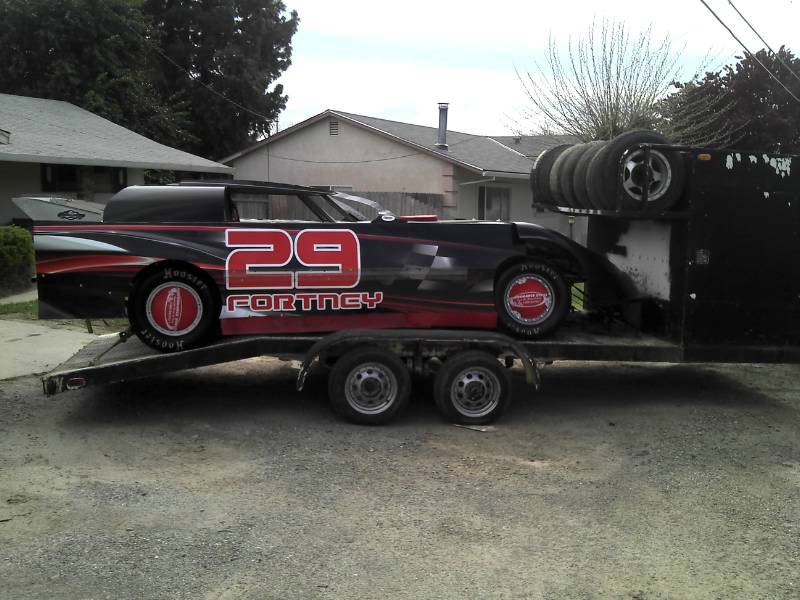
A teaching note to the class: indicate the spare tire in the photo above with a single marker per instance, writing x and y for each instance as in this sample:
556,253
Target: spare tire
579,183
559,187
566,174
666,171
540,175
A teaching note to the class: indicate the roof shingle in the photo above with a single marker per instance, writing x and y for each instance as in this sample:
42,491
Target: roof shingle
58,132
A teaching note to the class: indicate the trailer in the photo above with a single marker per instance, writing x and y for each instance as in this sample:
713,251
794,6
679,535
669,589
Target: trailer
719,272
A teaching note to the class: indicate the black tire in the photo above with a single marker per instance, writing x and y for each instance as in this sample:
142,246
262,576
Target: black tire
667,168
566,173
579,183
369,386
173,309
540,175
472,388
542,288
557,189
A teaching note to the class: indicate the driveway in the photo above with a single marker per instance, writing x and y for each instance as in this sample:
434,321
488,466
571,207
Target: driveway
617,481
29,348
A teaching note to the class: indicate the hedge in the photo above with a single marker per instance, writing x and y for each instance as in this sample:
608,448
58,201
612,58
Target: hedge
16,259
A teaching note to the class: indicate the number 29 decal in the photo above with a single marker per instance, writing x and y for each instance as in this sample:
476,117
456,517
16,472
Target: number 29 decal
336,250
330,260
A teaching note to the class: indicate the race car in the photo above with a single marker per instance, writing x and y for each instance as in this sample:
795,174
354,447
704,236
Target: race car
192,261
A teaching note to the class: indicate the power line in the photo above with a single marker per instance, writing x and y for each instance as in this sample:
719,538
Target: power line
166,57
358,162
342,162
763,41
746,49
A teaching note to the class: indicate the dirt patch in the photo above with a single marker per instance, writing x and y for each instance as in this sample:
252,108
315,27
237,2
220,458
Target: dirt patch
620,481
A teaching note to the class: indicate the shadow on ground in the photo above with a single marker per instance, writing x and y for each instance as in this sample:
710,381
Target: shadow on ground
258,390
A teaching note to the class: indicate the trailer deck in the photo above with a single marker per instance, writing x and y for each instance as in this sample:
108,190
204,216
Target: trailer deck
118,357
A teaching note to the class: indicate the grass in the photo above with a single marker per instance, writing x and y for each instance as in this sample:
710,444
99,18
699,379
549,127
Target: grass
20,310
29,311
577,296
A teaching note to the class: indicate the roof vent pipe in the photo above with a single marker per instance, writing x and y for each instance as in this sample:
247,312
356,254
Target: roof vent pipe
442,141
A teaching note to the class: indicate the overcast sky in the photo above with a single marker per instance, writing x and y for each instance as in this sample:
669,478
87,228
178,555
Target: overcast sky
397,59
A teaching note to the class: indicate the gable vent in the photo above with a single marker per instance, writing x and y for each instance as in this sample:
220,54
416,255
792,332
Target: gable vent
333,127
5,136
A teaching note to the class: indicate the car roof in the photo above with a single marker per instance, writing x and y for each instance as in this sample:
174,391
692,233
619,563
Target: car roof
251,184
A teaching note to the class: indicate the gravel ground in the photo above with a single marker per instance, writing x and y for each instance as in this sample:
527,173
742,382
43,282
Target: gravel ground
640,482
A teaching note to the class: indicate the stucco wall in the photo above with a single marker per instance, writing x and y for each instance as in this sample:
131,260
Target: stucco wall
521,209
355,157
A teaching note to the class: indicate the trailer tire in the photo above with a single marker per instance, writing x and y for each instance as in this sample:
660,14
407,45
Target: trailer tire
531,299
579,182
540,175
173,309
472,388
666,167
369,386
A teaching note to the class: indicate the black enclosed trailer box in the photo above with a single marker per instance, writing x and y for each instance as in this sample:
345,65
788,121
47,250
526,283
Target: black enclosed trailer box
721,269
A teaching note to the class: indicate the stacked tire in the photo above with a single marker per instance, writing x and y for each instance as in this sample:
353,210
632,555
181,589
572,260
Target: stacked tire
610,175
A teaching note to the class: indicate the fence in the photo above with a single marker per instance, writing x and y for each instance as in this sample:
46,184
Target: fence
403,203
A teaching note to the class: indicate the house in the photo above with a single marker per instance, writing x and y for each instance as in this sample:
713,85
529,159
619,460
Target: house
54,148
454,174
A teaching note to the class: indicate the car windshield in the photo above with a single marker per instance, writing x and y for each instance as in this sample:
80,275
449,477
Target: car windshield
334,210
363,209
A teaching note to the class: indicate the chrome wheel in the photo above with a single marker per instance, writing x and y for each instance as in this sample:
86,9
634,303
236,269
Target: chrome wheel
656,175
370,388
475,392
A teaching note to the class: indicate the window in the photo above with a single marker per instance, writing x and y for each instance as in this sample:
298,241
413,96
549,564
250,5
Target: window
333,127
89,180
325,205
108,180
61,178
494,203
252,206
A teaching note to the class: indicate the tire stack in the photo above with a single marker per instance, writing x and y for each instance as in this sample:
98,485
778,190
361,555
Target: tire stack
588,176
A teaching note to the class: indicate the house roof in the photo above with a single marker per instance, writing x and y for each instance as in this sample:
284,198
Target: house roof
51,131
533,145
499,155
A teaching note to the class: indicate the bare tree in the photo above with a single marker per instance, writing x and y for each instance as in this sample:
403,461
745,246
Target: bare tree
610,81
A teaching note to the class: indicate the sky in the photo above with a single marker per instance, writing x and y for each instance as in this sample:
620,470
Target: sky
398,59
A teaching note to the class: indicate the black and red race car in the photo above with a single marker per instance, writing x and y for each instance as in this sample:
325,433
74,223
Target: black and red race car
188,262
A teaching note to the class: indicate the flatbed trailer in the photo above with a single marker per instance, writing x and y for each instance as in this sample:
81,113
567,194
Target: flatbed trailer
116,358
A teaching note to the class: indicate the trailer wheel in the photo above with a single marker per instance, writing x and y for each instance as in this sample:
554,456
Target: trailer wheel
666,171
369,386
531,299
173,309
540,175
472,388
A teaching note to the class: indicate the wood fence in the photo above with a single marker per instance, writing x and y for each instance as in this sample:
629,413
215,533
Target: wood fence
402,203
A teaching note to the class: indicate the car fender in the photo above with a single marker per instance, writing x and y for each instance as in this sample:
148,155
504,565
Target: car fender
606,284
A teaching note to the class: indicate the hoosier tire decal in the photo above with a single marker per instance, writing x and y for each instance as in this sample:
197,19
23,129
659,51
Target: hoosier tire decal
174,309
529,299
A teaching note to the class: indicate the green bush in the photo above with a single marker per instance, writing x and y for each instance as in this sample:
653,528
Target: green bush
16,259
